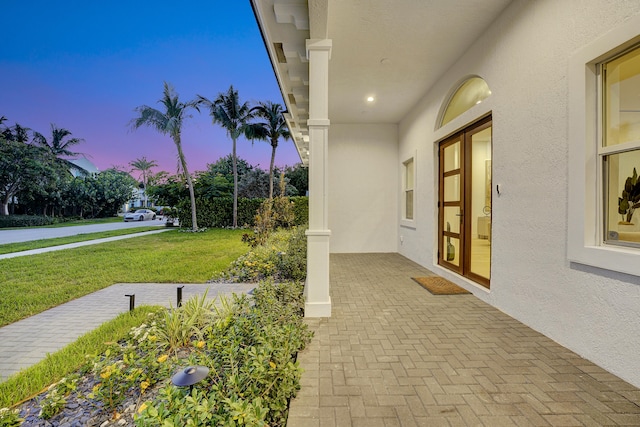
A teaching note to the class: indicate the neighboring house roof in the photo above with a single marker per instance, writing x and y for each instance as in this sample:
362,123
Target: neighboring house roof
392,51
83,164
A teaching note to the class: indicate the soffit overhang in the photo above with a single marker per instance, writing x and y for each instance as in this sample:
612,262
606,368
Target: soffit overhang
393,51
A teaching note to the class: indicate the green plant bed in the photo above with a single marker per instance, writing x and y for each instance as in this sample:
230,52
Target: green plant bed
34,379
250,349
283,256
248,344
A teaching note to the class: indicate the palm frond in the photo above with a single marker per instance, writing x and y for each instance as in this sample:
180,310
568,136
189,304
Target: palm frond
57,146
149,116
274,124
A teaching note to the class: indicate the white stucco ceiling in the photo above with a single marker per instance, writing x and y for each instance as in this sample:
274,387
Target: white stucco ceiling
393,50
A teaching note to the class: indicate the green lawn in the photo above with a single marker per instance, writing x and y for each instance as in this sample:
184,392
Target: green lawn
46,243
32,284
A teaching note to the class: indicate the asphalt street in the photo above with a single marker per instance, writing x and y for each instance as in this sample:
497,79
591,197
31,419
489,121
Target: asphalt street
29,234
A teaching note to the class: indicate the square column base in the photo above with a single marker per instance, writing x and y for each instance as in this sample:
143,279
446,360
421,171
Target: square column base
316,289
317,309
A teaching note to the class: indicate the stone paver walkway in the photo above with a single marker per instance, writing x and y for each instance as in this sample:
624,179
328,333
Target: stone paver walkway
28,341
392,354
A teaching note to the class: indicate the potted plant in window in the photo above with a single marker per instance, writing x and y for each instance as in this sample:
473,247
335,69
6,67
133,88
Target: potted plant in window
630,199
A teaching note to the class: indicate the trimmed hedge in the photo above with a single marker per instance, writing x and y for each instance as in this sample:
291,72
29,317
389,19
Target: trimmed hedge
26,221
218,212
300,209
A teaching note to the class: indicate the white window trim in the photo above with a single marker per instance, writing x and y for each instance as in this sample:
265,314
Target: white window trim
404,221
585,210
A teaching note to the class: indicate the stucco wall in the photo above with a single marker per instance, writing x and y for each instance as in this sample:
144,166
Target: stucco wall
362,164
524,59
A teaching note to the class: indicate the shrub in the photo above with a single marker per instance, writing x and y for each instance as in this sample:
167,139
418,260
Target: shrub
217,212
282,257
10,418
292,262
300,210
56,397
250,350
178,327
26,220
271,215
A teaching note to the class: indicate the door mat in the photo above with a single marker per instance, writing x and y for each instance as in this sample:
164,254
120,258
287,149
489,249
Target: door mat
440,286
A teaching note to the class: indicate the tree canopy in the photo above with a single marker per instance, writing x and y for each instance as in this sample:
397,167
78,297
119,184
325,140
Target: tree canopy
35,177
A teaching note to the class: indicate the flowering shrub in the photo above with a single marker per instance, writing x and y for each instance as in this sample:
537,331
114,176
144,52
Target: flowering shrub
10,418
131,367
249,344
250,349
56,397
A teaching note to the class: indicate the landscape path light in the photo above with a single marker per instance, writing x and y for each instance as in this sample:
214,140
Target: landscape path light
180,296
189,376
132,301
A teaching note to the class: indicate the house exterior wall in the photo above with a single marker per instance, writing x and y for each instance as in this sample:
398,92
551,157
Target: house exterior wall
524,58
363,188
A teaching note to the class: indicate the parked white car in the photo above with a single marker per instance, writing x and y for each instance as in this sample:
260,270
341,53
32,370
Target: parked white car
140,215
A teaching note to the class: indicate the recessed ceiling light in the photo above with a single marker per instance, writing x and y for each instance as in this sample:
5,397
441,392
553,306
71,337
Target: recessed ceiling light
370,99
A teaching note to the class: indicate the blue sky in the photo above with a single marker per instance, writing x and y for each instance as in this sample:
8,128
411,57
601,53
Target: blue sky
86,65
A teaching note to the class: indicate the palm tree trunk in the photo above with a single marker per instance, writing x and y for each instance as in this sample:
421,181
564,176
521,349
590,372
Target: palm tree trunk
144,185
273,158
192,197
235,185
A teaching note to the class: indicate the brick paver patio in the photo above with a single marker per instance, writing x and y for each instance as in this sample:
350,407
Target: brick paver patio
392,354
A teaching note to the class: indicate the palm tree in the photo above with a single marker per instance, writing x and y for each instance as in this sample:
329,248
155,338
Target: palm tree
169,122
227,111
59,145
144,167
272,129
6,132
20,134
15,133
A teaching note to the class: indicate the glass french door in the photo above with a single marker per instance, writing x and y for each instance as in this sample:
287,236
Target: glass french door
464,203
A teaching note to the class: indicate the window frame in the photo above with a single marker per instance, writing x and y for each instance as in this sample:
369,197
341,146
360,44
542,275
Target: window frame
405,164
586,189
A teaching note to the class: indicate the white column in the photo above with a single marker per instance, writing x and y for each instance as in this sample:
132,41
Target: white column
317,299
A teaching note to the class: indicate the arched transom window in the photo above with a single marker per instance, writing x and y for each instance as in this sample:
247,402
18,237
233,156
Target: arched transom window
471,92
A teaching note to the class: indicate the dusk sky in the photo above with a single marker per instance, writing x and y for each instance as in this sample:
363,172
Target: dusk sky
85,66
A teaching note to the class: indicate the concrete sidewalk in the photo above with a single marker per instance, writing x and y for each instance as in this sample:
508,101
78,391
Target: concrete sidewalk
28,341
15,235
